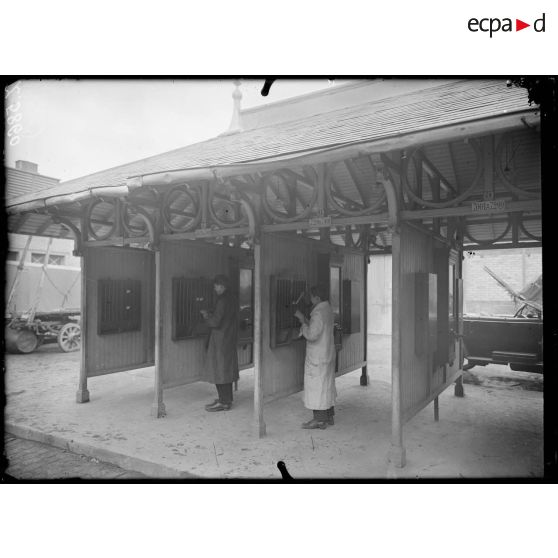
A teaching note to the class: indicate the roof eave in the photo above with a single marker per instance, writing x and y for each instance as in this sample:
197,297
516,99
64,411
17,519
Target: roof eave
497,123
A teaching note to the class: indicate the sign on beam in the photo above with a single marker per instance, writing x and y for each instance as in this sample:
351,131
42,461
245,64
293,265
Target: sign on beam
320,221
488,206
203,233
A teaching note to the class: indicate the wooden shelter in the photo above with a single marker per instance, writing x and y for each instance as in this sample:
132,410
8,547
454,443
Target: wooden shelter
424,175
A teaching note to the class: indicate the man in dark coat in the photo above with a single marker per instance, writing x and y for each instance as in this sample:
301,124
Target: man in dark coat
221,362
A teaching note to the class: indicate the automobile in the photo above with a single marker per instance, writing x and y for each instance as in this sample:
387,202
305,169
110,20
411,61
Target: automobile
515,340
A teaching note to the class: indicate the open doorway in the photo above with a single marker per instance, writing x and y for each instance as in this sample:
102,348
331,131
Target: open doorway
379,317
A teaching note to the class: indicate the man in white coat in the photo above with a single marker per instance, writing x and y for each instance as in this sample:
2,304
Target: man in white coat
319,366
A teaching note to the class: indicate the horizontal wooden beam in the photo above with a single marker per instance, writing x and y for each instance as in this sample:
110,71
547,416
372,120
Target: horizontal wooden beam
199,234
462,210
118,241
525,243
335,221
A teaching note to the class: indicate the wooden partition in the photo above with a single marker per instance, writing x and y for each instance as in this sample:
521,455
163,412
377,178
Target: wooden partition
302,260
188,264
119,309
426,319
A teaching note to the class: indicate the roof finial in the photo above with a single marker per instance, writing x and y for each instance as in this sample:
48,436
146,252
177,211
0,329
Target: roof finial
236,125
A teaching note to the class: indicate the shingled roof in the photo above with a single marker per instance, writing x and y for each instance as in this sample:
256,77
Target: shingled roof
444,105
21,182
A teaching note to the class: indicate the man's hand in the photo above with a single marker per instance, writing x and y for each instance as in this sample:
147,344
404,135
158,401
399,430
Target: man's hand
300,316
204,313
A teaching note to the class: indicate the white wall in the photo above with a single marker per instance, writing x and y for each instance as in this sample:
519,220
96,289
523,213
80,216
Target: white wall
379,295
61,287
59,246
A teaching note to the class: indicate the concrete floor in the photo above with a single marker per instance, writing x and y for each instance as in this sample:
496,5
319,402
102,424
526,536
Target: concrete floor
492,432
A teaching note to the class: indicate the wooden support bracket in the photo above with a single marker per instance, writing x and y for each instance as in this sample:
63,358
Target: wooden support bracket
391,194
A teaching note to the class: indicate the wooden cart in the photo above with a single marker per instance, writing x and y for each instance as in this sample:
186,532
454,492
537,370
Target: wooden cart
62,327
25,331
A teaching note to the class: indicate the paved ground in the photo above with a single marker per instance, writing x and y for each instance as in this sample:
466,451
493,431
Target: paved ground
495,431
33,460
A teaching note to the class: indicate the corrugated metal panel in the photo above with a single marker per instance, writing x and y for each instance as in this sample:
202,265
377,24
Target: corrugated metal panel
283,367
183,360
439,106
416,256
245,356
418,380
119,351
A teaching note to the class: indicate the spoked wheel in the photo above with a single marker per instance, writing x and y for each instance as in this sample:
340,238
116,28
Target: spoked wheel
69,337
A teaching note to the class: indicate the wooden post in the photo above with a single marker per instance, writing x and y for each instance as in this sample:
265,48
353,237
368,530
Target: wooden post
259,424
436,410
364,378
204,203
458,390
458,298
435,186
158,407
82,394
397,451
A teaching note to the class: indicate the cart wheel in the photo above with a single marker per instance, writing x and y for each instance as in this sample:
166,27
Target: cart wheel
21,341
69,337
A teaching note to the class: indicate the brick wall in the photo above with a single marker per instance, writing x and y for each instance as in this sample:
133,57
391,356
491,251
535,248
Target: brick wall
482,294
516,267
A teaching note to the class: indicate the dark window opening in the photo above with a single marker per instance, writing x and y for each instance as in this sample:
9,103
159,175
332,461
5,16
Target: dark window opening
189,297
119,305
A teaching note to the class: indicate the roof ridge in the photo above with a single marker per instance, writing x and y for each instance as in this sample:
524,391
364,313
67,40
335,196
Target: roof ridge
447,104
412,94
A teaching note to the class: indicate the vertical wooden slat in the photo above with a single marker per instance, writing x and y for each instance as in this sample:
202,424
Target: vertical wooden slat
259,424
435,187
397,451
158,407
82,394
364,379
125,350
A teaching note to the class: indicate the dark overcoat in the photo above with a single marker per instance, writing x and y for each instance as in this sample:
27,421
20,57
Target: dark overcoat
221,359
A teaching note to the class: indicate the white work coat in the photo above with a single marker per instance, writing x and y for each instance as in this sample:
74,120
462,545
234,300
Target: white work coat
319,366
